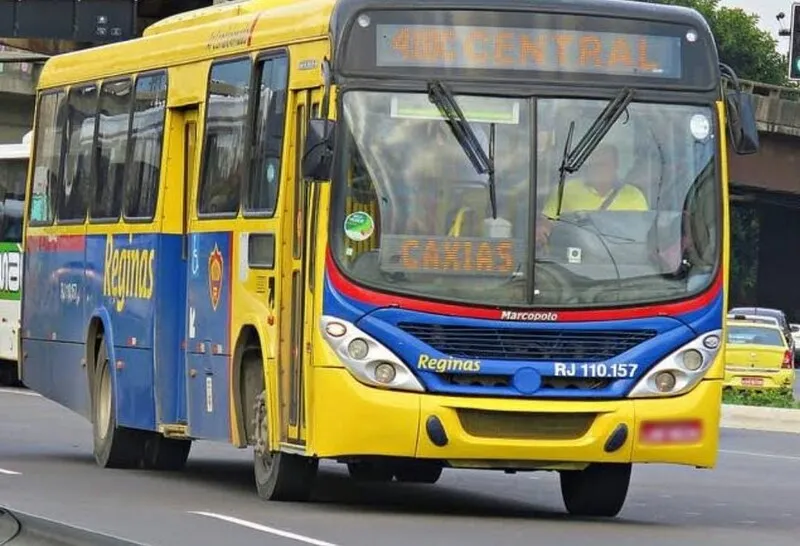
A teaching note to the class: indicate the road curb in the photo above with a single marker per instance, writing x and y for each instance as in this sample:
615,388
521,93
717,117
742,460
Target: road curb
25,529
761,418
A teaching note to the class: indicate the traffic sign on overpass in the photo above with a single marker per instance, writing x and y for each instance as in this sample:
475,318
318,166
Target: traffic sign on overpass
92,21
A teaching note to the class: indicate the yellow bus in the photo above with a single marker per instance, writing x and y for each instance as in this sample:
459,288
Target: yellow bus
362,231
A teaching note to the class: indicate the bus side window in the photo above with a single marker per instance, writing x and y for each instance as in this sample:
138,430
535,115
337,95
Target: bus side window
77,171
47,157
111,151
268,130
144,148
224,168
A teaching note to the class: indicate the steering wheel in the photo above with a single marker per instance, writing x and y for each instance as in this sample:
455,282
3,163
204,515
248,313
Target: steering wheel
571,242
553,285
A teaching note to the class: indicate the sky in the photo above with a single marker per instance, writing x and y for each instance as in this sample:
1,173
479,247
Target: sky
766,11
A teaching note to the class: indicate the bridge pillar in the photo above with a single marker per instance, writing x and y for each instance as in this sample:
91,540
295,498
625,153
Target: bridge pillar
778,282
17,96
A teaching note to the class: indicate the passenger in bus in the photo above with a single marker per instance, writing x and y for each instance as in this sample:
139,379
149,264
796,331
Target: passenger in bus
599,189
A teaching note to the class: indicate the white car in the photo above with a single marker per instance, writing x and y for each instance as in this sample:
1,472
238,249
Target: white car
795,334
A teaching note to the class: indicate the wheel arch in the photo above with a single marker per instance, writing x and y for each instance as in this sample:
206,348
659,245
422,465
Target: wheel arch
250,338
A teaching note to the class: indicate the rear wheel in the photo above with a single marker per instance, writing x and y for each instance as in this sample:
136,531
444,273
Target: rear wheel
371,471
161,453
597,491
418,472
279,476
114,446
8,374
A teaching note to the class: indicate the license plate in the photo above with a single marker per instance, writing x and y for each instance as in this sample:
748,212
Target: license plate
753,381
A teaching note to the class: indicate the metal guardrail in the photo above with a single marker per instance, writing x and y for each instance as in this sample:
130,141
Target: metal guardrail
770,91
22,57
23,529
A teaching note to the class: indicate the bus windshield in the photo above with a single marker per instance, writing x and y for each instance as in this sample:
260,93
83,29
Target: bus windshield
638,222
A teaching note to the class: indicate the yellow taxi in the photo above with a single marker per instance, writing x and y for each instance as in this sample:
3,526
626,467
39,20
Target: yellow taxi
757,356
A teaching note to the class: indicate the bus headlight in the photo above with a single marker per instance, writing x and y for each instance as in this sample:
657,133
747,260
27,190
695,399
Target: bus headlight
366,358
681,370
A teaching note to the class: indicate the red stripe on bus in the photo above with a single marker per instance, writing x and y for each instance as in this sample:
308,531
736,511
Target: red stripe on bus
55,243
382,299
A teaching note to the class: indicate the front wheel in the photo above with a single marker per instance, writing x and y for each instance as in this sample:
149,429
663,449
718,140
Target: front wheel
418,472
597,491
279,476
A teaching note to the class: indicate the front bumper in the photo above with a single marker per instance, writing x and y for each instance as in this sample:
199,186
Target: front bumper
351,419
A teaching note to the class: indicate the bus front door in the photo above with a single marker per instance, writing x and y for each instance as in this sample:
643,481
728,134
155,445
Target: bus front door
297,293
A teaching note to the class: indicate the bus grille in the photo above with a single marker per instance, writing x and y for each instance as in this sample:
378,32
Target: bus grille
525,426
526,343
548,383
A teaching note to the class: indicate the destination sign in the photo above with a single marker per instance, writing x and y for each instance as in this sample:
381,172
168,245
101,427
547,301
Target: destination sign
528,49
475,256
527,45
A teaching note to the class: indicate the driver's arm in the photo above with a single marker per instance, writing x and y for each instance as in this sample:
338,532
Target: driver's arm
549,212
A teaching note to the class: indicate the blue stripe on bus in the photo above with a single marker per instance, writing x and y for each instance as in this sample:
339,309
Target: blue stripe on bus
671,333
136,285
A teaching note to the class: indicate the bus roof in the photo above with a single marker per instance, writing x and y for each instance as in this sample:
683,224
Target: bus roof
17,151
237,27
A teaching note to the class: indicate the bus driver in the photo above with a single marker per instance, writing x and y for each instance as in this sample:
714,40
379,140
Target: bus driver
600,189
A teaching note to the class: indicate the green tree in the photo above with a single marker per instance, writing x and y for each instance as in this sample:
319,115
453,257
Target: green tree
750,51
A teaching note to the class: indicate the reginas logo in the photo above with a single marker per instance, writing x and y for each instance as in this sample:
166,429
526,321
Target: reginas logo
443,365
127,273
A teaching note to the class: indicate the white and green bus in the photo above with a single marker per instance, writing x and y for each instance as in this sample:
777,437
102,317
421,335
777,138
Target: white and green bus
13,172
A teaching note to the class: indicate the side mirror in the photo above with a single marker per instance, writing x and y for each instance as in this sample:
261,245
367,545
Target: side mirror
318,152
742,127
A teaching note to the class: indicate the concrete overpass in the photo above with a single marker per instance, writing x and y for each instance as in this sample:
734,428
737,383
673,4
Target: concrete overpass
765,193
776,167
18,80
147,12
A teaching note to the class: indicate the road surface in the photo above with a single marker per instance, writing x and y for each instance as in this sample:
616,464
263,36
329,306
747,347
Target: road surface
46,468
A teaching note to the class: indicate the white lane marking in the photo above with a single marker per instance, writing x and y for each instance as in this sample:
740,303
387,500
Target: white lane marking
10,472
19,391
264,528
762,455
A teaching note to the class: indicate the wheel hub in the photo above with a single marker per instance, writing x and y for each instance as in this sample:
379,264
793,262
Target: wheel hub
260,428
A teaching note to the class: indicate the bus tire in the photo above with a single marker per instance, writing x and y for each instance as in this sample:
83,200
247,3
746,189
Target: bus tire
418,472
597,491
162,453
370,471
114,446
279,476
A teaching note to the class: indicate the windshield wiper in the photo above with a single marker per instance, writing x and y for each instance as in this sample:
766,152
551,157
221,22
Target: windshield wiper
574,159
562,169
483,163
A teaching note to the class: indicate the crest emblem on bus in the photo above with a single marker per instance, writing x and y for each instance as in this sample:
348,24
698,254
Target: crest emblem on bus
215,276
